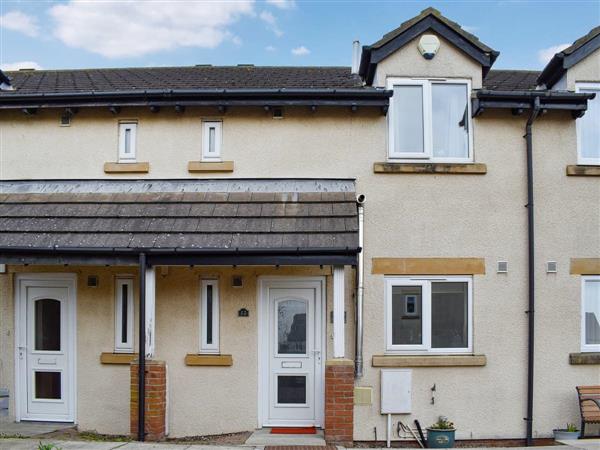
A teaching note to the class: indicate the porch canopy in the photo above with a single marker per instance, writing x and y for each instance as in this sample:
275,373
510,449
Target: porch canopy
179,222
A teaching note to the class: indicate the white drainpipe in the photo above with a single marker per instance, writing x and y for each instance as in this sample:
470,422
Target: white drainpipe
358,360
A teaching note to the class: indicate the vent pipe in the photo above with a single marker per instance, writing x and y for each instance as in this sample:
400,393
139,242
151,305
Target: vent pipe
355,56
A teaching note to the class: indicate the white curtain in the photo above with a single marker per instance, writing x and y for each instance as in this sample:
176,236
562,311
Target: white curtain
450,120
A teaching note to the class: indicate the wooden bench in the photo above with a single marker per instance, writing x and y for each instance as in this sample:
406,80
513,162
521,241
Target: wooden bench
589,405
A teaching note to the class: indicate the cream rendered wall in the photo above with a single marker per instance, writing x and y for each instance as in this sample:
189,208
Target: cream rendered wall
587,69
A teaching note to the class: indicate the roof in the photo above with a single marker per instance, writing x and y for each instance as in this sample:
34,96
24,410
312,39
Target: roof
287,217
428,19
511,80
570,56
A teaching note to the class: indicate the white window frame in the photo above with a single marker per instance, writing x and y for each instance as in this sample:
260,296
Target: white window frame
578,124
130,125
205,347
587,347
123,347
425,284
206,126
427,154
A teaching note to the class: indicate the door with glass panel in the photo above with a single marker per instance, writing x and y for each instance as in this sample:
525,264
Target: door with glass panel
45,349
294,346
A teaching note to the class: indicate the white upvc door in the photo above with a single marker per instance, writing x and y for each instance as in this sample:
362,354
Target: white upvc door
45,348
292,354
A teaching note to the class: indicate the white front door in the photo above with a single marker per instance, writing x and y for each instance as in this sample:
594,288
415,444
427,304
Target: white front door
45,347
292,353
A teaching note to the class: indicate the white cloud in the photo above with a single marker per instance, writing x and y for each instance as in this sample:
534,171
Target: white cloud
20,65
18,21
270,48
282,4
271,22
300,51
546,54
123,29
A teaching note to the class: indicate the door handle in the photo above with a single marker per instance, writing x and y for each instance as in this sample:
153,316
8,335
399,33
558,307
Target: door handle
21,350
317,355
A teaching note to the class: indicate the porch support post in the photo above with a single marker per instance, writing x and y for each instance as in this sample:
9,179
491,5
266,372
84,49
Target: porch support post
150,310
142,351
339,342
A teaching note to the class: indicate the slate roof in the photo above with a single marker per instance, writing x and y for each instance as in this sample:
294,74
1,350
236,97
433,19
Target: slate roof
179,220
511,80
194,77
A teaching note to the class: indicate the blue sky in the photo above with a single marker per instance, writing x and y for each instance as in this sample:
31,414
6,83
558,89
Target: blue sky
74,34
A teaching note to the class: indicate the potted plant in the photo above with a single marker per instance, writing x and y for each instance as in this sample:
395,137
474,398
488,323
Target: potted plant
571,432
441,434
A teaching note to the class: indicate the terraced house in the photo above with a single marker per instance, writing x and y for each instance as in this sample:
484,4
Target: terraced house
210,250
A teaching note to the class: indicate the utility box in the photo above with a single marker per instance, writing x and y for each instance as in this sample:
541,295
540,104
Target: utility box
396,391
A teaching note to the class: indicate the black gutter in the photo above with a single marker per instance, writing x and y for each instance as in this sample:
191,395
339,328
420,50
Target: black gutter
141,431
535,111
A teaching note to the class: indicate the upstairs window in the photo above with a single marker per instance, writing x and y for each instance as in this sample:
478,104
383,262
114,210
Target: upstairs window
211,140
588,127
127,141
209,316
430,120
124,316
590,314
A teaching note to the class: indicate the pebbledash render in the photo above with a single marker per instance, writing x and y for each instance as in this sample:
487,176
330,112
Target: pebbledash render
276,241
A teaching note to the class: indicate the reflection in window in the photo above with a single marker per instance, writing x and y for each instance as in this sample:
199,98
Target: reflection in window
291,327
47,325
407,322
291,389
591,311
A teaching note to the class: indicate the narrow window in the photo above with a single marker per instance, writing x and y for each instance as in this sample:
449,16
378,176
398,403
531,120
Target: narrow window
430,120
429,315
590,320
124,316
211,140
209,316
588,127
127,142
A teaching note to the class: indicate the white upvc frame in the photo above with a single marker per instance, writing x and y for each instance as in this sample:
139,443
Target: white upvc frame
205,346
584,280
588,86
425,284
207,125
124,155
120,346
427,154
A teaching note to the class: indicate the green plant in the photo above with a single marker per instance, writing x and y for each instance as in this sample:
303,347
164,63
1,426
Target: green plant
442,424
48,446
572,428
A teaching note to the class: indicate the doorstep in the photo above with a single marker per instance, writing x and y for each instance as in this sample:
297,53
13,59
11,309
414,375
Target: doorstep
264,437
31,428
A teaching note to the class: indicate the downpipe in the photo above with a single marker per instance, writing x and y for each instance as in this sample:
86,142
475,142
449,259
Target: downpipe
535,112
358,359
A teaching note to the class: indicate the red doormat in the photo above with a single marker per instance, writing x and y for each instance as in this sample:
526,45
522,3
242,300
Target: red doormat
294,430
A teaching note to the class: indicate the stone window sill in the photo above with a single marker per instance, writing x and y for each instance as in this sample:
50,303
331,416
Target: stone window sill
430,168
117,358
207,167
576,359
137,167
429,360
583,171
194,359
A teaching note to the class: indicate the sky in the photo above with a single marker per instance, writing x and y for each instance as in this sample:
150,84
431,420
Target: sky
103,33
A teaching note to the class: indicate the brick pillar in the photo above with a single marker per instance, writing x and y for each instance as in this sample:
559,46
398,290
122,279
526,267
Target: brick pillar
339,401
156,400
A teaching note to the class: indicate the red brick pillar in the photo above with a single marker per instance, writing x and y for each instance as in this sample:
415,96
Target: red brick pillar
339,401
156,400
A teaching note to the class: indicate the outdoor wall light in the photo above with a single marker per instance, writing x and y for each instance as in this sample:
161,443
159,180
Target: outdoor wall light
429,45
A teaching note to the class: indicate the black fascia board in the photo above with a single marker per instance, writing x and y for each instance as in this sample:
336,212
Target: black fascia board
550,100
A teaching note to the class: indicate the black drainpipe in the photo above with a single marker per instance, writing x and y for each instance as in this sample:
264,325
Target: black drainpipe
531,266
141,434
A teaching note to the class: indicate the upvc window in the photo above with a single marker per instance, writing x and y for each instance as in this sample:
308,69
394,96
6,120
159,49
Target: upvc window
430,120
590,314
209,316
588,127
127,141
124,315
212,137
429,315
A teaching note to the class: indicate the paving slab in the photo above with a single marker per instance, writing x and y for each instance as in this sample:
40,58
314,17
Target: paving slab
263,437
154,446
586,444
30,429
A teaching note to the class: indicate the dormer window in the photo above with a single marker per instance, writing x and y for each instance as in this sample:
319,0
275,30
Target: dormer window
430,120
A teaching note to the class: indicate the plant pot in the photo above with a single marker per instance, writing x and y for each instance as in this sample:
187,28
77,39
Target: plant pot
440,438
562,435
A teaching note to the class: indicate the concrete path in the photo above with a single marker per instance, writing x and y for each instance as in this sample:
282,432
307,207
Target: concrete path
30,429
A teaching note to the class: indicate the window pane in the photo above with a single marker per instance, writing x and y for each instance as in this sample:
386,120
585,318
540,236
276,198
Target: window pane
291,389
449,315
209,314
291,327
592,312
211,139
589,128
407,322
124,311
47,325
450,120
127,141
408,119
47,385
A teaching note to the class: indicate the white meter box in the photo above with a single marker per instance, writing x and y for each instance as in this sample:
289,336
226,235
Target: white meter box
396,391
